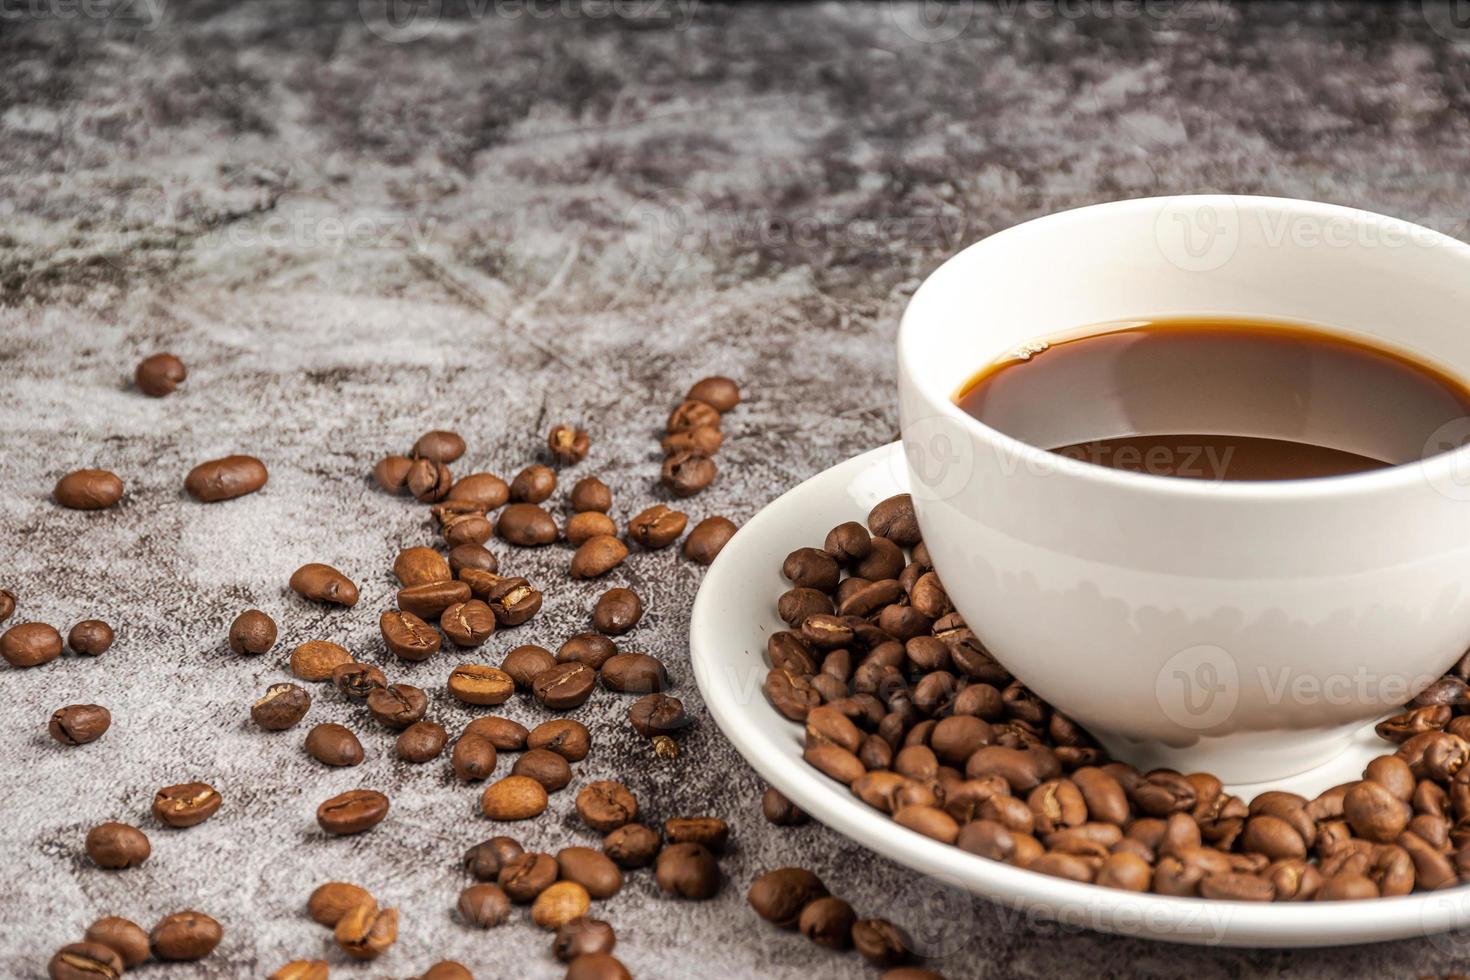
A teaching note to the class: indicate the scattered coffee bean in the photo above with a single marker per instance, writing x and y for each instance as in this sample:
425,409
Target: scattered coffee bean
397,705
472,555
315,660
484,490
780,811
524,877
429,601
598,556
158,375
687,871
333,745
525,662
407,636
302,970
428,480
657,527
779,896
185,936
581,936
123,936
481,684
658,714
559,904
226,478
439,445
446,970
329,902
590,494
352,812
85,961
513,600
366,932
391,473
117,845
634,673
460,529
691,414
185,804
486,858
421,566
88,490
283,706
585,526
473,758
30,644
323,583
7,604
712,832
592,649
617,611
78,724
880,942
568,445
606,805
564,686
544,766
717,392
705,439
468,624
483,906
533,485
596,966
505,735
633,845
252,632
513,798
708,538
828,922
567,738
687,472
591,869
357,681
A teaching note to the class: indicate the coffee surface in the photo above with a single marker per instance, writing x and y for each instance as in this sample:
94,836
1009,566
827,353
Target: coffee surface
1221,400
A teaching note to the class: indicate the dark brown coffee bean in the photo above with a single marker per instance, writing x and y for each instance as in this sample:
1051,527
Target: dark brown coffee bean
705,439
323,583
591,869
687,871
894,519
185,804
468,624
159,374
691,414
85,961
283,706
123,936
718,393
461,529
357,681
848,542
779,896
391,473
440,446
617,611
407,636
252,632
591,495
352,812
524,877
827,632
880,942
780,811
884,560
791,694
711,832
791,652
485,491
1374,812
366,932
226,479
564,686
315,660
472,555
582,936
929,598
329,902
483,906
592,649
7,604
428,480
117,845
596,966
811,568
828,922
421,566
532,485
88,490
505,735
634,673
473,758
585,526
708,538
544,766
513,600
568,445
89,638
30,644
333,745
513,798
606,805
420,742
687,472
598,556
78,724
525,662
658,714
567,738
486,858
632,845
397,705
657,527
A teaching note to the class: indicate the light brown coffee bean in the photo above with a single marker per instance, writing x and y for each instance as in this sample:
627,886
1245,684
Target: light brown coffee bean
323,583
596,966
591,869
366,932
226,479
708,538
421,566
1374,812
559,904
439,445
185,804
527,525
252,632
657,526
301,970
352,812
185,936
78,724
691,414
85,961
589,495
329,902
481,684
88,490
513,798
705,439
533,485
468,624
123,936
315,660
391,473
30,644
719,393
420,742
597,556
504,734
583,527
484,490
116,846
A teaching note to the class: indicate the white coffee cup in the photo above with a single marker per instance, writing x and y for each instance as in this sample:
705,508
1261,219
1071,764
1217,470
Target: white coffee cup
1245,629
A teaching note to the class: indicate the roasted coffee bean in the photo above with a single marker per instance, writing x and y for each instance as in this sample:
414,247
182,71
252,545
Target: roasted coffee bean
185,804
811,568
439,445
366,932
185,936
687,472
7,604
632,845
420,742
473,758
828,922
398,705
468,624
513,798
85,961
717,392
590,494
323,583
568,445
598,556
483,490
472,555
123,936
582,936
1402,727
524,877
691,414
329,902
117,845
252,632
687,871
592,649
564,686
283,706
357,681
421,566
78,724
302,970
791,652
88,490
544,766
559,904
1393,774
791,694
884,560
93,637
461,529
391,472
567,738
880,942
779,896
480,684
711,832
871,598
226,479
658,714
333,745
483,906
514,601
617,611
30,644
705,439
407,636
315,660
708,538
848,542
657,527
525,662
585,526
606,805
780,811
532,485
834,761
596,966
1448,690
352,812
1374,812
158,375
428,480
591,869
894,519
634,673
486,858
827,632
505,735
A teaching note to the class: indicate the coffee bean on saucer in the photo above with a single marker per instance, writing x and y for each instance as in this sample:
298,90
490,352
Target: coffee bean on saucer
85,961
439,445
597,556
333,745
315,660
159,374
407,636
352,812
691,414
717,392
581,936
391,473
513,798
185,804
560,903
468,624
30,644
568,445
828,922
564,686
476,556
780,811
712,832
117,845
791,694
513,600
687,472
483,906
617,611
544,766
252,632
7,604
226,478
527,525
812,568
420,742
533,485
658,714
526,661
398,705
634,673
357,681
473,758
606,805
708,538
590,495
631,846
88,490
485,859
323,583
282,706
502,733
657,526
567,738
78,724
687,871
779,896
895,520
124,936
484,490
592,649
366,932
583,527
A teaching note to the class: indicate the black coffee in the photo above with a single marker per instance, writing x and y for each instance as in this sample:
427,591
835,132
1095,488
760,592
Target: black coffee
1221,400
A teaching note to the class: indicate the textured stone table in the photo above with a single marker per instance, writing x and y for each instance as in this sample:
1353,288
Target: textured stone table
493,220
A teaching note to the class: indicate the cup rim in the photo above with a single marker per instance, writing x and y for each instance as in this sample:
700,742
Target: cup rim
1384,480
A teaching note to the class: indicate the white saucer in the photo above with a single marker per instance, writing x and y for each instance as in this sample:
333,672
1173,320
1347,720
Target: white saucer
736,611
